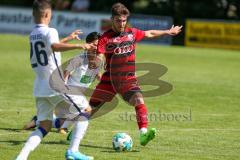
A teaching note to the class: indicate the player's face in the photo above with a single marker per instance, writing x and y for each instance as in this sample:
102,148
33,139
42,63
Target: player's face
92,56
119,23
92,53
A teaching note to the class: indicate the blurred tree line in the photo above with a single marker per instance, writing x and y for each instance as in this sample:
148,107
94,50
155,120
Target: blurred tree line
178,9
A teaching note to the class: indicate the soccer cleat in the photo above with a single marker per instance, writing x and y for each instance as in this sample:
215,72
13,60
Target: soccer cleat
31,124
76,156
63,131
146,137
69,137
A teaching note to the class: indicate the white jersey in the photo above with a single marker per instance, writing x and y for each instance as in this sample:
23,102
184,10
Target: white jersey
81,75
42,58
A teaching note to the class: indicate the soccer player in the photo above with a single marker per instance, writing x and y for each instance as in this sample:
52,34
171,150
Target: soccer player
45,58
117,45
78,74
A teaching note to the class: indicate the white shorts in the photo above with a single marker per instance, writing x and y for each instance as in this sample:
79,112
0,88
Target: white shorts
69,111
46,105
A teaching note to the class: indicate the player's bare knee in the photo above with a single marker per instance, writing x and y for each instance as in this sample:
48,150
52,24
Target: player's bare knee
136,100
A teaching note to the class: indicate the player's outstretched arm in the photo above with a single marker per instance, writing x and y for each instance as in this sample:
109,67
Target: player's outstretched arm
158,33
73,35
66,75
61,47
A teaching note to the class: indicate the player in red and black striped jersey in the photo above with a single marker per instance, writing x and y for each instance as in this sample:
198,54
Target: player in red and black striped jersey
117,46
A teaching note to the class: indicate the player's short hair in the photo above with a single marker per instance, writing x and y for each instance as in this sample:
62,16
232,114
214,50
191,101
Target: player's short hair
39,7
119,9
92,37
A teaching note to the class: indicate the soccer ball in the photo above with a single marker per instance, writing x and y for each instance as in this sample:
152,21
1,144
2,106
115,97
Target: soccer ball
122,142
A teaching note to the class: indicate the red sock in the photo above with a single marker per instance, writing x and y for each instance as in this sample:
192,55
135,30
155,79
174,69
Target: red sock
141,115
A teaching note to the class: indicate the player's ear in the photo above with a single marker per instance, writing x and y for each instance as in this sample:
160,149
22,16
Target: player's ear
47,13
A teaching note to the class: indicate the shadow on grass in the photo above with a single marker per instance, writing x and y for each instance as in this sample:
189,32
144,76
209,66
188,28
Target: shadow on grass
11,129
22,130
94,146
13,142
112,151
61,142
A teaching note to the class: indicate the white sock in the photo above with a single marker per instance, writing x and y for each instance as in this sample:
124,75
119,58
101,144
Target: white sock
79,131
32,142
143,130
66,124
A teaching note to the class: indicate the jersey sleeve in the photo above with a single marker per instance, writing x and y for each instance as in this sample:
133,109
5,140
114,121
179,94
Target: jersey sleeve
74,63
139,34
101,47
52,36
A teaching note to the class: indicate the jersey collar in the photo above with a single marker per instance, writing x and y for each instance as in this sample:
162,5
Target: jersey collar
40,25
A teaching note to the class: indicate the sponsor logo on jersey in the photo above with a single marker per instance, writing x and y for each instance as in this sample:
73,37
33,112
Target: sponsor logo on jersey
123,49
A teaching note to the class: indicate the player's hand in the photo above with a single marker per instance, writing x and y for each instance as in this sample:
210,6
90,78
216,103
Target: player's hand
99,76
175,30
87,46
75,35
66,75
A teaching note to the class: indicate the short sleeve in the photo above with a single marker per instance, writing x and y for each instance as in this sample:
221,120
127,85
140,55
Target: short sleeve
52,36
74,63
101,47
139,34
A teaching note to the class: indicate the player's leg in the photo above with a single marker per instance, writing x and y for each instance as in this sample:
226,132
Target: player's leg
61,111
64,129
80,126
56,122
135,98
31,124
44,114
78,132
104,92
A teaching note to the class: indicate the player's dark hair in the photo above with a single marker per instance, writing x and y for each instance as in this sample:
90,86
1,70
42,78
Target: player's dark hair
92,37
118,9
39,7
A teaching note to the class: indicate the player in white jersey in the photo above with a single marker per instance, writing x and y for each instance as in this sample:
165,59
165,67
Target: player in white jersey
44,42
78,74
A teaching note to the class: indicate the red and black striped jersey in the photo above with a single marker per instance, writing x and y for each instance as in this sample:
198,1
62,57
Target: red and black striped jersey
119,50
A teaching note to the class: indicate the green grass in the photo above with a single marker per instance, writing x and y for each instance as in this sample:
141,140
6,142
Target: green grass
206,81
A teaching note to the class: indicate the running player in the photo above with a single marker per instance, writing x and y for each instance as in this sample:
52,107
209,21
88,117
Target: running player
117,45
44,57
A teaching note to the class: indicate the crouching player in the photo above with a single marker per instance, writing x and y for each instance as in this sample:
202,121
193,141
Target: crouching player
78,74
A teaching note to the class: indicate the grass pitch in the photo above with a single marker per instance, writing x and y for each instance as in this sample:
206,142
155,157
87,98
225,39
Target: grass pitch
199,119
